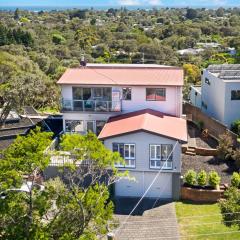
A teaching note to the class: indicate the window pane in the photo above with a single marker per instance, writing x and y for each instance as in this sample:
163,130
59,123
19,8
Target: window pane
126,151
86,93
235,95
99,126
166,151
115,147
90,126
132,151
77,93
74,126
132,162
127,93
158,151
152,151
160,94
157,163
121,149
150,94
107,94
97,92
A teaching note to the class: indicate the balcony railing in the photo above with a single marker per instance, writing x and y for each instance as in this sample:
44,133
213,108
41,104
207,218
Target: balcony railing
91,105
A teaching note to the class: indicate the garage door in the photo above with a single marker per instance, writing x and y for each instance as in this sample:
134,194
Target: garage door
162,188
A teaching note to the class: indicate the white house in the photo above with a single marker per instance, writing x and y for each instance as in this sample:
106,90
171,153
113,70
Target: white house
136,110
219,93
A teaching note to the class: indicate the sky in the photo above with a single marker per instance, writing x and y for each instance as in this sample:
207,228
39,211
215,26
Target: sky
95,3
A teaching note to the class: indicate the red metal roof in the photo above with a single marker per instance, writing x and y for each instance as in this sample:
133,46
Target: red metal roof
156,75
146,120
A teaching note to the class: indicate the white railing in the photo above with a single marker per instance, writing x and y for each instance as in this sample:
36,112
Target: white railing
91,105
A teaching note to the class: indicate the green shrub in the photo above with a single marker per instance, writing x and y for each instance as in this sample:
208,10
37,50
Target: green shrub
202,178
235,179
58,39
225,147
190,177
235,126
236,157
214,179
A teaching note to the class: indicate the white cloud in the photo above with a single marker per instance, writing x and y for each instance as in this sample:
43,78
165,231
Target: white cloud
139,2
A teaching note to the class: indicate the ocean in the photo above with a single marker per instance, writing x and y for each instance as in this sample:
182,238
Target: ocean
60,8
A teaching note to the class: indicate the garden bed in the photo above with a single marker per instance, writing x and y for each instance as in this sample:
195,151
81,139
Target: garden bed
202,195
209,163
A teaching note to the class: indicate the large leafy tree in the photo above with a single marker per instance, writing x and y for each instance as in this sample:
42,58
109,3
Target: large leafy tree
22,83
75,207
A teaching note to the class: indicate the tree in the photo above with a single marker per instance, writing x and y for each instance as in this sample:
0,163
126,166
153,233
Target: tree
230,207
225,146
76,208
17,14
191,13
22,84
220,12
192,73
19,215
86,37
58,38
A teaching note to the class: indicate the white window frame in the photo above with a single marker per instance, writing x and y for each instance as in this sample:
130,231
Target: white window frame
155,159
160,159
128,159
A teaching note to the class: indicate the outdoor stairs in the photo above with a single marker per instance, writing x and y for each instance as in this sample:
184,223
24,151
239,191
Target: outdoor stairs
191,151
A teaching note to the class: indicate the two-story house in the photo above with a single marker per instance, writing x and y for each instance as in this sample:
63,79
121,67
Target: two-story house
135,110
219,94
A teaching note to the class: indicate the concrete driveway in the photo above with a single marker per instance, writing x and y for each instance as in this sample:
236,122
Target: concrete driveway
153,219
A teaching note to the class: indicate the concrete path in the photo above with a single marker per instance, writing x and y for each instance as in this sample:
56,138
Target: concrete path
159,222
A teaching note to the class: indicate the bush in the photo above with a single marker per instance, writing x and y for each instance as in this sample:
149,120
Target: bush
202,178
214,179
58,39
235,127
225,147
190,177
235,180
236,157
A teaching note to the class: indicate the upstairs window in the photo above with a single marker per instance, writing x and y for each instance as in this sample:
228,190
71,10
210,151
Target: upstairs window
127,151
155,94
127,93
235,95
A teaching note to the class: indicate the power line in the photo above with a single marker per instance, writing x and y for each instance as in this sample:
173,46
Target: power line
144,194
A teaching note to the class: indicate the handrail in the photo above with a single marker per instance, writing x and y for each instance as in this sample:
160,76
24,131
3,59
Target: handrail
96,105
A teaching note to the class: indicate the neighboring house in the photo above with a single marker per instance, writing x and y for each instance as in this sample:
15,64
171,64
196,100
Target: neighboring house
190,51
196,96
220,93
137,110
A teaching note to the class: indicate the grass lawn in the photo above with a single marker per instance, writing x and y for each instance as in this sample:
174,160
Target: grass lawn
192,210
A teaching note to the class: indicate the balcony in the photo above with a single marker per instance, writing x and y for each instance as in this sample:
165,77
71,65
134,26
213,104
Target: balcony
91,105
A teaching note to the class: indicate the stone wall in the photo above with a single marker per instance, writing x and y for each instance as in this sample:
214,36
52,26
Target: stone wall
214,127
201,195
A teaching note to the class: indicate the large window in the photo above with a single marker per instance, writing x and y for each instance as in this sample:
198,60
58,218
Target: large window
235,95
161,156
155,94
81,93
74,126
127,93
127,151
